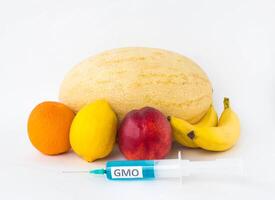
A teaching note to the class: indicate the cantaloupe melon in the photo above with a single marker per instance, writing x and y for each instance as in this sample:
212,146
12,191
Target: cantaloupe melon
131,78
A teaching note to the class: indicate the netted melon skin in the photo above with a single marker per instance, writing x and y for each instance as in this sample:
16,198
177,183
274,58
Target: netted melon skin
135,77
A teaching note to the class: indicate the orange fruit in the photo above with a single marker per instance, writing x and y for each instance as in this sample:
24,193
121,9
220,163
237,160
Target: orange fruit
49,127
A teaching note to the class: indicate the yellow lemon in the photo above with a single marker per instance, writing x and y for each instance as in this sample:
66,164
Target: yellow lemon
93,131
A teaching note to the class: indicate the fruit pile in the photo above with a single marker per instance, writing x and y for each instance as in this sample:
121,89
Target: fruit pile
100,98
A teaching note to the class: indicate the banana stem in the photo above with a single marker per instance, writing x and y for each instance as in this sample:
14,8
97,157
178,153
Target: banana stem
226,103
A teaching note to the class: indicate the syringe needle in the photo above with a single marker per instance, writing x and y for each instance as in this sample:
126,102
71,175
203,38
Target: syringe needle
75,171
94,171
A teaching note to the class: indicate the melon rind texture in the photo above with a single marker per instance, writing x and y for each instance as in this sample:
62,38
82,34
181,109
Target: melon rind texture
135,77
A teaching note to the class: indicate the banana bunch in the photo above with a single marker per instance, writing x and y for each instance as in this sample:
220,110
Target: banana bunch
210,133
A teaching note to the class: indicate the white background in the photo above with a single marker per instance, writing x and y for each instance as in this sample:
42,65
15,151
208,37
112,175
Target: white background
232,40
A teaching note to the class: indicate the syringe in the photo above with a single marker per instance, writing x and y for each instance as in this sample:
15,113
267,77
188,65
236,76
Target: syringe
167,168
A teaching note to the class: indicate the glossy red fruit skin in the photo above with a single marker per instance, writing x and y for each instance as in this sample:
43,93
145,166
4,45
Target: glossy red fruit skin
145,134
